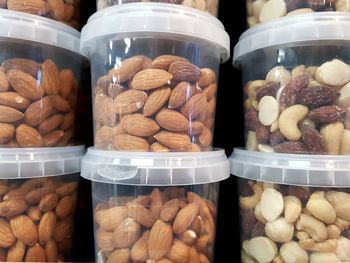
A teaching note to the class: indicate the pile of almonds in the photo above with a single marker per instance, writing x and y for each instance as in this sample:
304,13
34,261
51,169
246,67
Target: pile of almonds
66,11
289,224
305,110
160,105
37,219
164,227
37,104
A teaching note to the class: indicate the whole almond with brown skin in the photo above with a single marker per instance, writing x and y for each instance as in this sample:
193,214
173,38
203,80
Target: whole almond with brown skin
51,251
203,259
164,261
184,71
126,142
138,125
195,128
66,206
24,229
56,9
208,77
195,106
60,103
193,255
52,138
160,240
178,252
34,196
164,61
48,202
157,147
67,189
34,213
35,7
64,229
4,189
174,141
39,111
129,101
148,79
67,79
120,256
65,247
182,93
169,210
26,65
105,134
14,100
50,79
10,115
109,219
141,215
4,84
66,139
202,243
172,120
46,227
185,217
139,251
68,12
126,70
205,138
16,252
156,203
35,254
7,237
25,85
126,233
50,124
6,132
198,225
68,121
156,101
210,91
12,207
104,240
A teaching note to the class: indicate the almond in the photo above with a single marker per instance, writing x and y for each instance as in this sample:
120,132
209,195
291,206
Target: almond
156,101
126,70
126,142
129,101
3,187
189,237
36,7
139,251
210,91
39,111
195,128
26,65
148,79
48,202
12,207
69,11
205,138
46,227
14,100
8,114
126,234
182,93
34,213
16,252
7,237
52,138
175,192
73,100
67,79
120,256
66,206
109,219
169,210
105,134
67,189
193,255
64,229
68,121
178,252
211,107
157,147
35,254
172,120
24,229
104,240
66,139
138,125
57,9
184,71
50,124
50,76
208,77
4,84
60,103
156,203
198,225
203,259
141,200
34,196
25,84
185,217
65,246
160,240
174,141
6,132
141,215
51,251
164,61
195,106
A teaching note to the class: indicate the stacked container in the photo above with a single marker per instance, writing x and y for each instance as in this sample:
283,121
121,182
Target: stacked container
155,177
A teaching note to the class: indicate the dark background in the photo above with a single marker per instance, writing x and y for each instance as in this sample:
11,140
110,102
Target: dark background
229,133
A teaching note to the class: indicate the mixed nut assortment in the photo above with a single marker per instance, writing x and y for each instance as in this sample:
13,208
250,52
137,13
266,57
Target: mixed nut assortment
289,224
164,227
66,11
37,104
210,6
261,11
160,105
37,219
305,110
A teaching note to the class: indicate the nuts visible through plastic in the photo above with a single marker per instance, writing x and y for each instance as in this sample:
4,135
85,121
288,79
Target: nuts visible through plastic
272,204
289,119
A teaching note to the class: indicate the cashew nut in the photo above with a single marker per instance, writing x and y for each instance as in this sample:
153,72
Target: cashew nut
341,203
271,204
292,209
251,90
315,228
343,249
252,142
345,143
257,6
333,134
279,74
326,246
268,110
262,249
291,252
258,215
273,9
333,73
323,258
333,231
264,148
289,119
279,230
320,208
249,202
274,126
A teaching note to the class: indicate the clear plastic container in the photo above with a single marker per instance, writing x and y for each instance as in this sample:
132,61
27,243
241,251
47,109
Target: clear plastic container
297,85
155,206
210,6
293,208
38,193
40,77
154,79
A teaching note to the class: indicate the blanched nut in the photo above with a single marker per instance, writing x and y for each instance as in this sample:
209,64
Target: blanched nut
342,6
342,224
333,231
245,258
269,185
256,8
289,119
333,73
279,74
261,249
291,252
258,215
250,202
271,204
279,230
298,70
264,148
344,98
292,209
326,246
343,249
333,134
317,257
345,143
251,90
274,126
320,208
273,9
315,228
252,142
341,203
300,11
268,110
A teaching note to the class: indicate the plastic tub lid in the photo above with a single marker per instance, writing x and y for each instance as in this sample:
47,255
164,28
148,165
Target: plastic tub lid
157,18
17,163
155,169
309,27
39,29
292,169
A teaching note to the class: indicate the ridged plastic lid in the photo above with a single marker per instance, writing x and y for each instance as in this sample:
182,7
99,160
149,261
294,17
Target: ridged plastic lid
292,169
16,163
38,29
155,18
155,169
311,27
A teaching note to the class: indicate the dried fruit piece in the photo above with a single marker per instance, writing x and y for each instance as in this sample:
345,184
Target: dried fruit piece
160,240
156,101
291,147
172,120
313,140
327,114
318,96
184,71
148,79
138,125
